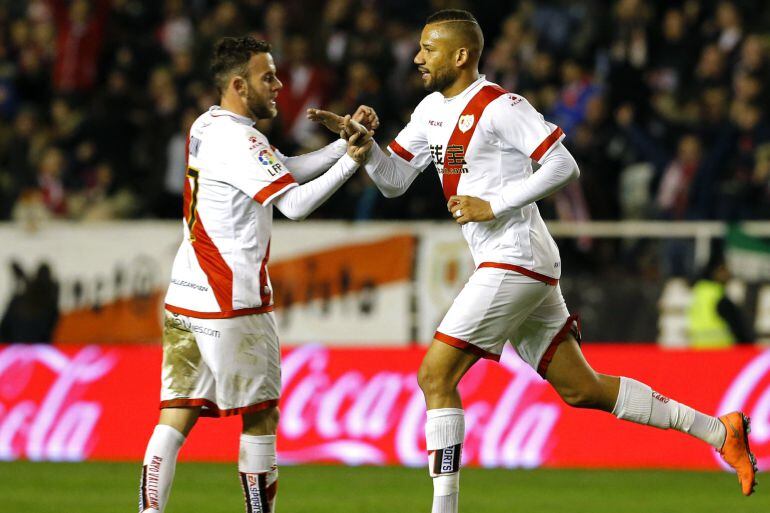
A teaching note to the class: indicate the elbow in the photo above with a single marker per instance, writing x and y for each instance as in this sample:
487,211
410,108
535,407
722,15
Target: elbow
295,215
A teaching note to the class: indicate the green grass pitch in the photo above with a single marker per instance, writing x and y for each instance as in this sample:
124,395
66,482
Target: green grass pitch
213,488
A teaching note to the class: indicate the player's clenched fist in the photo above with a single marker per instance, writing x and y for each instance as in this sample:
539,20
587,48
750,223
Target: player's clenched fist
364,119
469,209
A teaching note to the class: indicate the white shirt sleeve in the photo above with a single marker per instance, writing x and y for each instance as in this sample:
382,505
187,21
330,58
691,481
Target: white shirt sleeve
409,155
311,165
299,202
518,125
558,169
390,173
252,166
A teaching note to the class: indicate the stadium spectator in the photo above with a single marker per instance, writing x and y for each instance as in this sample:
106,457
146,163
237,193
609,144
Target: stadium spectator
110,80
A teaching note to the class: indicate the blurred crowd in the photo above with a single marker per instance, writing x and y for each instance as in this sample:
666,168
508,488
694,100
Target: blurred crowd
664,103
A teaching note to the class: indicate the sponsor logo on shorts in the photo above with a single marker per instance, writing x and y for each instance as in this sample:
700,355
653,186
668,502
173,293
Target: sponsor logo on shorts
189,284
186,324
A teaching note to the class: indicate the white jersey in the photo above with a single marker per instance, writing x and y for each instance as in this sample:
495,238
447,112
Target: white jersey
480,141
233,176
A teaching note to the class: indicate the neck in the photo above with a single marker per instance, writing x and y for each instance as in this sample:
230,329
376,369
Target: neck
466,78
234,105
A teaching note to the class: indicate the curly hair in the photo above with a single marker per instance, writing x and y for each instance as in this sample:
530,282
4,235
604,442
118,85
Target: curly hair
231,56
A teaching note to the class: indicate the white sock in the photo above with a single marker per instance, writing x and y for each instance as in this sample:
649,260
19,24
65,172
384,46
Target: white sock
444,434
258,472
158,468
638,403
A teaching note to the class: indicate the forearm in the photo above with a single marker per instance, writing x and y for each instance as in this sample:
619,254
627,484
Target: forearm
559,168
391,175
312,165
297,203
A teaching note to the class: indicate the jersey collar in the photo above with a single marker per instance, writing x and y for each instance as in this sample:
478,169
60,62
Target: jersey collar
217,111
467,90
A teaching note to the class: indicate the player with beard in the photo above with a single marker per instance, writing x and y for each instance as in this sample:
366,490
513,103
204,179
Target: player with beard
220,347
482,140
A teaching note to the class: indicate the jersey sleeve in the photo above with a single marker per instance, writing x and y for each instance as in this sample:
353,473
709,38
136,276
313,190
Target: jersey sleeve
516,122
254,168
411,144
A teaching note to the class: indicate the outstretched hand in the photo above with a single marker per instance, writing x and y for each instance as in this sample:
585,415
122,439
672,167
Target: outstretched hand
364,116
469,209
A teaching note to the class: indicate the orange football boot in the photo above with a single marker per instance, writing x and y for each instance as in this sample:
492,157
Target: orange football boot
736,452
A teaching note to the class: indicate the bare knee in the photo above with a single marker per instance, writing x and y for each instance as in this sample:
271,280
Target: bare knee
434,383
580,397
597,393
182,419
263,422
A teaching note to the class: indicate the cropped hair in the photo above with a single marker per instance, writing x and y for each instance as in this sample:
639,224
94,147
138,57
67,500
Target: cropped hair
231,57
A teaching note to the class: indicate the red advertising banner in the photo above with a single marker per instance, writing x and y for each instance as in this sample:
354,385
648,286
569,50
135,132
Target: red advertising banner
363,406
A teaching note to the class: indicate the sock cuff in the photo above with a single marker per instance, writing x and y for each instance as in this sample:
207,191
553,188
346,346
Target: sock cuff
634,401
169,432
445,428
444,412
258,439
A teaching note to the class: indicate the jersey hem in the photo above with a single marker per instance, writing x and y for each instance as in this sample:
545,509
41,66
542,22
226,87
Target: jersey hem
219,315
210,408
550,280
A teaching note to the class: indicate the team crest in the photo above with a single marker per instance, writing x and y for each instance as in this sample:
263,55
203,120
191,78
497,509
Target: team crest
465,123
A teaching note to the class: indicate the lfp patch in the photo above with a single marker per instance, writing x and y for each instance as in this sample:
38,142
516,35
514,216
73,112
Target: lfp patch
268,160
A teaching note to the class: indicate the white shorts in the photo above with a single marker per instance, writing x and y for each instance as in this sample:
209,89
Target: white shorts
497,306
226,366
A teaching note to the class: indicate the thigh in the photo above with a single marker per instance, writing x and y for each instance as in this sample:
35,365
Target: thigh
184,373
493,303
244,357
546,326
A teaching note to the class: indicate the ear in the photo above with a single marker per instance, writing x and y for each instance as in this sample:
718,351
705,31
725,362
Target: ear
461,57
239,84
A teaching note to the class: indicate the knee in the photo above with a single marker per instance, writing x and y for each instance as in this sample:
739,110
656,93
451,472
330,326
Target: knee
263,422
433,383
585,396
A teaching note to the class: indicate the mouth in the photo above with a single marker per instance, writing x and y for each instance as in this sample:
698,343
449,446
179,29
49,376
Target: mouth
424,73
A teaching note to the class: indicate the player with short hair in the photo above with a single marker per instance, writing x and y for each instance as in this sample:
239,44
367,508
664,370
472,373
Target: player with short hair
220,348
482,140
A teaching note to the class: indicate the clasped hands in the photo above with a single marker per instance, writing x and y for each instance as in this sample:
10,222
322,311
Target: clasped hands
357,129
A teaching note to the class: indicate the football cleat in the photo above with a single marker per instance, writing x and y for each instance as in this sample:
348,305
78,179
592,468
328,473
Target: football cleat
736,451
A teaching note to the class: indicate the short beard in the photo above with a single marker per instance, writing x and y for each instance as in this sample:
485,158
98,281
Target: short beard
441,81
259,109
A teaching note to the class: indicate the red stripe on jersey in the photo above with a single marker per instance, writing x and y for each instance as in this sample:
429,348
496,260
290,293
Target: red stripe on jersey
219,315
264,291
475,107
400,151
521,270
274,187
220,276
546,144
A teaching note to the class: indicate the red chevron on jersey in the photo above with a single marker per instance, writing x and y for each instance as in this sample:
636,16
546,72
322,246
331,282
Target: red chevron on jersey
462,134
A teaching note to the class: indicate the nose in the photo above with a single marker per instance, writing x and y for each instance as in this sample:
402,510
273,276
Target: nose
278,84
418,58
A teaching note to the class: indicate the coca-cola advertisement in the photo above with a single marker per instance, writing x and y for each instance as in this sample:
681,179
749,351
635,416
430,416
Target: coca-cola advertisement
362,406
